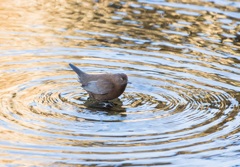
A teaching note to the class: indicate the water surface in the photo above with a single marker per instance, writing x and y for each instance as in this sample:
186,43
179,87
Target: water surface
182,58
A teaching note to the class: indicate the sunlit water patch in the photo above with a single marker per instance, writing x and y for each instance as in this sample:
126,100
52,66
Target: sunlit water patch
181,108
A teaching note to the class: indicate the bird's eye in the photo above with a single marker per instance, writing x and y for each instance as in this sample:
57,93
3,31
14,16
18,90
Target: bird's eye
121,79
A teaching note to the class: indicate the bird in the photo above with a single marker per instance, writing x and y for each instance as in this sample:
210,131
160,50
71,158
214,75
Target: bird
102,87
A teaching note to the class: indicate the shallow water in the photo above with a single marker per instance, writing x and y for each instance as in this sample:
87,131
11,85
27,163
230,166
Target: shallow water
181,108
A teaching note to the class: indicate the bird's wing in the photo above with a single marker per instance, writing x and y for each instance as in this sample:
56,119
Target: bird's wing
98,87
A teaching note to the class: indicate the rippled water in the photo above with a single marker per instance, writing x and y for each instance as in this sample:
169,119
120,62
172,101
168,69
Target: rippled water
181,108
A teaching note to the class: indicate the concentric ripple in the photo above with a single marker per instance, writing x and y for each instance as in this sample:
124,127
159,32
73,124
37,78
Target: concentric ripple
181,108
158,117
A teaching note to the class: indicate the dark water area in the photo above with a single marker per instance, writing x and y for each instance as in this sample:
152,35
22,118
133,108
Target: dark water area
182,58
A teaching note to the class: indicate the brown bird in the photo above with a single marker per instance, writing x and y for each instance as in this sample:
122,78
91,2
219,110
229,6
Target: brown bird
102,87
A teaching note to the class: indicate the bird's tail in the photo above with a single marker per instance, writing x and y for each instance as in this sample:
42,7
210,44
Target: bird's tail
78,71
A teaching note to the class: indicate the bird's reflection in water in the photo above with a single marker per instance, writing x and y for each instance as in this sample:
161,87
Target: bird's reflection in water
111,107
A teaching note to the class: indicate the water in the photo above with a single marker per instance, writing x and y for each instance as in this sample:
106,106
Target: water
182,58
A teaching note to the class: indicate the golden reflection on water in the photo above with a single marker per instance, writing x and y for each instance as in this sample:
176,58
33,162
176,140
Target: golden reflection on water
112,23
181,57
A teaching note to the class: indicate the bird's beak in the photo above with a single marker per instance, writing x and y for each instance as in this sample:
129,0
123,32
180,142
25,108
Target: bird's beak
129,82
